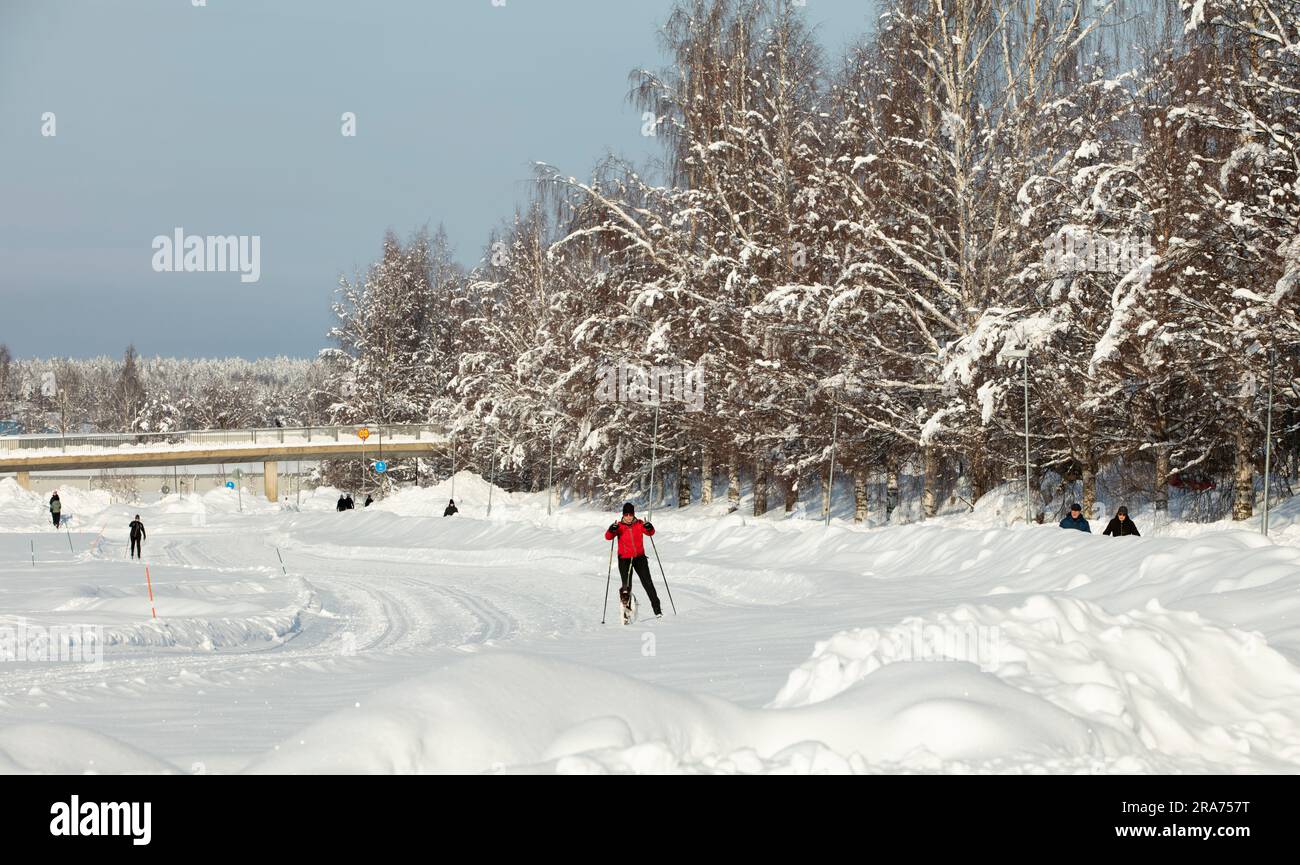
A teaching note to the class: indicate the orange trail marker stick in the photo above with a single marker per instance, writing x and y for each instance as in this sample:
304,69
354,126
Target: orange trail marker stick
149,582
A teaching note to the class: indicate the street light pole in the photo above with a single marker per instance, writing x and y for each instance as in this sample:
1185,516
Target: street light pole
830,480
1268,442
654,441
550,475
1023,354
63,418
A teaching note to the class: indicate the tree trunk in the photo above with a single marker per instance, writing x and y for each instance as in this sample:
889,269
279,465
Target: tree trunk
733,482
979,472
683,483
859,494
930,491
826,490
760,485
1089,487
791,494
891,490
1162,478
706,477
1243,499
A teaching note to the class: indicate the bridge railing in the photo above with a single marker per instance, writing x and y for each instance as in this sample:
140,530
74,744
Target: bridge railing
23,444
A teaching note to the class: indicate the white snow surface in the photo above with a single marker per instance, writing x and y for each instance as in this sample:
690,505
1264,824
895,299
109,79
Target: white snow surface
395,640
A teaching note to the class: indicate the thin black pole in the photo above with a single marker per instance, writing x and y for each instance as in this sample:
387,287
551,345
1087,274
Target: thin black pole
608,575
655,547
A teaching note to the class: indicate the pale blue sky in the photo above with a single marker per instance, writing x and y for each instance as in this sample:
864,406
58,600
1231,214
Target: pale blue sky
225,119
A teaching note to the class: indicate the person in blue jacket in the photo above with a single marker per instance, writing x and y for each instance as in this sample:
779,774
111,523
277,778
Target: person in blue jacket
1076,520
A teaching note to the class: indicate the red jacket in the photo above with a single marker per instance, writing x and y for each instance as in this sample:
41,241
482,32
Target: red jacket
630,544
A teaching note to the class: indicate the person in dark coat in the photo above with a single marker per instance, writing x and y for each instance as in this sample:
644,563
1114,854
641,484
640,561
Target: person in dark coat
1076,520
352,506
369,500
343,503
451,508
137,537
1121,525
631,553
56,508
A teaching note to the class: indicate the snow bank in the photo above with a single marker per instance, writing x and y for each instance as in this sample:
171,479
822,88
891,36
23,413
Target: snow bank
25,511
1163,687
62,749
500,711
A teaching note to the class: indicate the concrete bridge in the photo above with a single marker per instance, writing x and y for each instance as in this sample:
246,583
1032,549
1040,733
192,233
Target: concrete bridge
22,455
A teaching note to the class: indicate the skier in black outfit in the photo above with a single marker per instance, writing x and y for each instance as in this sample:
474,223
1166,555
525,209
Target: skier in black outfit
56,508
343,503
369,501
451,508
352,506
137,537
631,553
1121,525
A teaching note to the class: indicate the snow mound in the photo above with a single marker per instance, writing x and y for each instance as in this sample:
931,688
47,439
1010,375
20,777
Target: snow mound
471,495
25,511
1151,682
62,749
499,712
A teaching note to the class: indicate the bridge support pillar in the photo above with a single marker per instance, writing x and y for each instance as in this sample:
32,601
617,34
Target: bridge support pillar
25,480
271,480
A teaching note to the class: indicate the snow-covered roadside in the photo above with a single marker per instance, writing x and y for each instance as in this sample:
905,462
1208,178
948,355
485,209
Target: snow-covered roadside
426,644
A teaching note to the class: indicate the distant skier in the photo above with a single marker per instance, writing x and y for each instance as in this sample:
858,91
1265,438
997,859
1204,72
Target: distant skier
1076,520
451,508
137,537
352,506
56,508
369,501
1121,525
343,503
631,555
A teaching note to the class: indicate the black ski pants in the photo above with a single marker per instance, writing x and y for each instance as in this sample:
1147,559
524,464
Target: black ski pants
135,548
642,567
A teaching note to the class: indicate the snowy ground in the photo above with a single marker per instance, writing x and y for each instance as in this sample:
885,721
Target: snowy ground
395,640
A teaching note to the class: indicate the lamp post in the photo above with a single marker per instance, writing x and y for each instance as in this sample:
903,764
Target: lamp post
1023,354
1268,442
830,479
550,474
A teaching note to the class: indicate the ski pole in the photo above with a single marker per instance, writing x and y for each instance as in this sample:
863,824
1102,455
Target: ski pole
655,547
608,575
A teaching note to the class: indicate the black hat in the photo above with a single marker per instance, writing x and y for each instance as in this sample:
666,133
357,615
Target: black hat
628,508
1076,507
1122,510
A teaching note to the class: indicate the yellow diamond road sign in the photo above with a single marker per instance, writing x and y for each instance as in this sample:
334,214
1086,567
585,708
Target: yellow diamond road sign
363,433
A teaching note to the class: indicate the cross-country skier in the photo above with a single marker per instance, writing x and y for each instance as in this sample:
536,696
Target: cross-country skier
343,503
137,537
56,508
451,508
1121,525
631,554
1076,520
